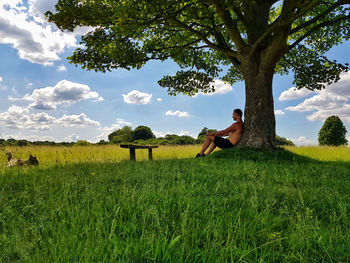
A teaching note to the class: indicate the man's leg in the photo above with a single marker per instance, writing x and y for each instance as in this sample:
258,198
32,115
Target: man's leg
208,140
211,148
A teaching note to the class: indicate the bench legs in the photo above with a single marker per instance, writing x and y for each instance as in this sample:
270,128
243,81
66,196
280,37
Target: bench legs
150,153
133,154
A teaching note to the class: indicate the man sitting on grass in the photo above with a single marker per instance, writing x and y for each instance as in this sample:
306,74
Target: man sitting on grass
234,132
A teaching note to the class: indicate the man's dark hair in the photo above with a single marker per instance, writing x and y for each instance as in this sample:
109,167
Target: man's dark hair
239,112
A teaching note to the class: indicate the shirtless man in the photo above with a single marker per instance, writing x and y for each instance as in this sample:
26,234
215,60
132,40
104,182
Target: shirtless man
233,132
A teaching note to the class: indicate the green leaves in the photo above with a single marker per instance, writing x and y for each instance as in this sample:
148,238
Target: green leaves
332,132
188,83
312,70
202,37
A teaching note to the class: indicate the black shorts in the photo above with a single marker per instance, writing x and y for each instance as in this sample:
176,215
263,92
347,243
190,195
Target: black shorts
223,143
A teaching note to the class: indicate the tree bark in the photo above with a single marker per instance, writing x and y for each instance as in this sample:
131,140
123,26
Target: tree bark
259,117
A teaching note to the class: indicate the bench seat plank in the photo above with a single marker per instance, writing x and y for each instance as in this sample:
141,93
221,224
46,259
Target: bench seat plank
132,146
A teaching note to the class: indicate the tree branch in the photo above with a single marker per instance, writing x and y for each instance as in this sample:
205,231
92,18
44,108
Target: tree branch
320,16
230,25
327,23
205,39
290,17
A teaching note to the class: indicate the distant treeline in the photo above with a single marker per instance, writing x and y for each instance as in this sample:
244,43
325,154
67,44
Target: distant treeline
141,135
14,142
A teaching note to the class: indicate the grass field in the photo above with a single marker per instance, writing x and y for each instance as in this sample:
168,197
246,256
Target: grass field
89,204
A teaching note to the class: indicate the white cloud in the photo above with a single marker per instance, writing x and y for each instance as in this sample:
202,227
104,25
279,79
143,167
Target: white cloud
20,118
279,112
159,99
160,134
25,28
0,79
108,130
177,113
61,68
220,88
71,138
20,136
293,93
302,140
39,7
77,120
182,133
331,101
65,92
137,97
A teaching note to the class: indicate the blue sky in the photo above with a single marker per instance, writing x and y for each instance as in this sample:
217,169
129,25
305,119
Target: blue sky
43,97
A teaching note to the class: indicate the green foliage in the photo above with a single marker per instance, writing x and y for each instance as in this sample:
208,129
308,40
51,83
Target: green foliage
169,139
82,143
102,142
280,141
203,37
179,140
201,136
11,141
314,71
124,134
332,132
142,133
204,131
23,143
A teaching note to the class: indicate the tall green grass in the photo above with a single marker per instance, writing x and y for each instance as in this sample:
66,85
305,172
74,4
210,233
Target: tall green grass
60,155
235,206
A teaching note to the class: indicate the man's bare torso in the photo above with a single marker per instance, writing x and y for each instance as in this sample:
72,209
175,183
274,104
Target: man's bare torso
235,133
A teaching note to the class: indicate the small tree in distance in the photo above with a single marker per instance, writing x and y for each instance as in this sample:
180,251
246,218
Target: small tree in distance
143,133
332,132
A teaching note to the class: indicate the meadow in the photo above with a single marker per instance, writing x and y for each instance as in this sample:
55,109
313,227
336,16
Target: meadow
90,204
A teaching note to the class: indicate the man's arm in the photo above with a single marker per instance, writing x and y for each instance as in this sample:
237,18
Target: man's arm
224,132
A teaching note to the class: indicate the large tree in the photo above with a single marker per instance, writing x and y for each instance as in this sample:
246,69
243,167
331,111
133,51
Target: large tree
251,40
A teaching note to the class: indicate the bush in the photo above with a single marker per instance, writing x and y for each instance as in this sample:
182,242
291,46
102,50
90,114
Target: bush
280,141
124,134
23,143
332,132
82,143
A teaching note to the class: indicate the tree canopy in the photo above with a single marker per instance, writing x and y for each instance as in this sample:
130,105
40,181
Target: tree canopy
124,134
332,132
143,133
234,40
202,36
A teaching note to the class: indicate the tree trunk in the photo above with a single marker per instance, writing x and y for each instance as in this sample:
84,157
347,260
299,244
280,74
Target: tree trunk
259,117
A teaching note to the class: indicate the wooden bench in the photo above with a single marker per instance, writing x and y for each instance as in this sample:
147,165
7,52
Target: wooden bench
132,148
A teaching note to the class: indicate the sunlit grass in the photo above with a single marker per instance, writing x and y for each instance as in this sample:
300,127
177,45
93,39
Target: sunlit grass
89,204
60,155
323,153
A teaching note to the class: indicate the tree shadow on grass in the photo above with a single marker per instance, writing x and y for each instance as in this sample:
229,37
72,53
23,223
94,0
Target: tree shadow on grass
279,155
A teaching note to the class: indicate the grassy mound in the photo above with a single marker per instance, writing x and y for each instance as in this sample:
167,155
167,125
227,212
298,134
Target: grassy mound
245,154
